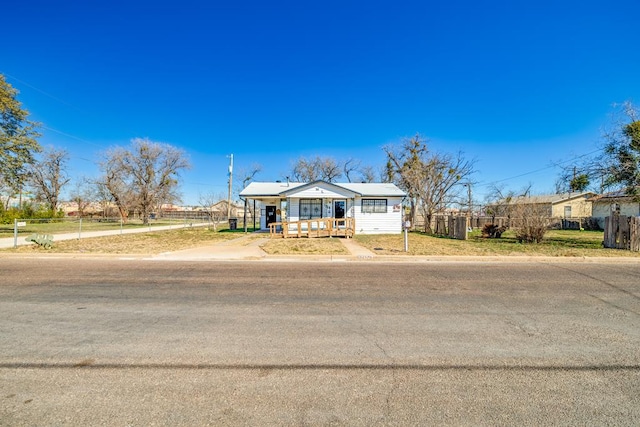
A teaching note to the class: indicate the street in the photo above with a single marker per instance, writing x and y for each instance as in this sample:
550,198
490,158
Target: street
132,342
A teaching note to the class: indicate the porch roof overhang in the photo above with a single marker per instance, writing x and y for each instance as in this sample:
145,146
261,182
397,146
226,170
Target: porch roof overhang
267,189
334,189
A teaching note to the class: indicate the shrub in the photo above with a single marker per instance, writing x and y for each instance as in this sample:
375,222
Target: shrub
492,231
531,222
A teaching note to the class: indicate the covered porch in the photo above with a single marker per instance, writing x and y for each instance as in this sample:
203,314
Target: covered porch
317,227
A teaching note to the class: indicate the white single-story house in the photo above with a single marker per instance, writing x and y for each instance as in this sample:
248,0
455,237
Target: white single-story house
616,202
375,207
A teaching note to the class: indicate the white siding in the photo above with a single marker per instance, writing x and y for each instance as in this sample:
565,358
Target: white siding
603,209
261,206
379,223
321,192
294,209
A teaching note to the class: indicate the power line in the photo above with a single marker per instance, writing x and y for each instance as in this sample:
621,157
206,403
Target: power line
573,159
73,137
41,91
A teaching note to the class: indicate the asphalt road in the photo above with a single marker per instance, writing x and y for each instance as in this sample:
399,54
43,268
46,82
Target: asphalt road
117,342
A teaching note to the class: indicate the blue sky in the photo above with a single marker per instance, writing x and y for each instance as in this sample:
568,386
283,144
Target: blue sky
516,85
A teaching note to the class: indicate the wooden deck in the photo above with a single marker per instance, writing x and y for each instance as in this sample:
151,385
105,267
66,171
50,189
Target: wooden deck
317,227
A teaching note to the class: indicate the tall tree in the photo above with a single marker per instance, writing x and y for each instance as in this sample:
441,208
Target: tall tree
623,154
113,185
83,194
48,175
350,168
432,180
144,175
617,166
309,170
368,174
17,139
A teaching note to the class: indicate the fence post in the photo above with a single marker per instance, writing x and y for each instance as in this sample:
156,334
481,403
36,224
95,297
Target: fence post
634,237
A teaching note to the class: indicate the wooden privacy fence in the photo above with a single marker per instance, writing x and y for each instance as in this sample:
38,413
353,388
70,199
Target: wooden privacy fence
318,227
622,232
439,223
453,226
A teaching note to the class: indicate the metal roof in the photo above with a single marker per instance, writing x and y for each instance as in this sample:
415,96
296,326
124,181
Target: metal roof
266,189
548,198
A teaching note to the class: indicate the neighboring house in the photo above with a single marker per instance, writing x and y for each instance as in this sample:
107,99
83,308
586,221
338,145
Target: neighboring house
616,202
564,205
376,207
219,209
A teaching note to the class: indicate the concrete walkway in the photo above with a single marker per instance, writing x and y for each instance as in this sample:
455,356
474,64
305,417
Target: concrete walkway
356,250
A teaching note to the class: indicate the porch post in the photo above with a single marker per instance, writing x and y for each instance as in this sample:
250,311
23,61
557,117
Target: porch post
245,215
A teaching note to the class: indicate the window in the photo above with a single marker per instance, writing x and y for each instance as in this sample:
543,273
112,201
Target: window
310,208
374,205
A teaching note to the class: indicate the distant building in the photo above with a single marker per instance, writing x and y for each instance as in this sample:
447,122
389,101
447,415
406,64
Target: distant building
615,202
564,205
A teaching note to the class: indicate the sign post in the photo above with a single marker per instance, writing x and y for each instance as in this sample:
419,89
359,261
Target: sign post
17,224
407,224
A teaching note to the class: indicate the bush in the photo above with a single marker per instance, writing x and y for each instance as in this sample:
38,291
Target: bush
492,231
531,222
28,211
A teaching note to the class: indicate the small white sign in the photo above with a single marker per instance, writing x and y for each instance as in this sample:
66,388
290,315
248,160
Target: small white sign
22,224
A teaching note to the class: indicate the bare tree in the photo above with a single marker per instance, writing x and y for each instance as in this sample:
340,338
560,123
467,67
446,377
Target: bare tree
531,220
501,201
368,174
432,180
83,194
246,175
148,172
114,184
309,170
329,169
350,167
208,202
48,175
304,170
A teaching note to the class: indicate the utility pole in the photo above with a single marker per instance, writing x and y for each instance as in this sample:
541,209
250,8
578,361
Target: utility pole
230,181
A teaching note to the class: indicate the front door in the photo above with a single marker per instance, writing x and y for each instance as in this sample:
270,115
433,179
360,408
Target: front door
270,212
338,208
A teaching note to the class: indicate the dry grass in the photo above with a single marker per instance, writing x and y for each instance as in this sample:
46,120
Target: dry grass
140,243
302,246
557,243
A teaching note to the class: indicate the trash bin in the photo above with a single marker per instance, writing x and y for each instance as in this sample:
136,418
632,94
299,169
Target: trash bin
233,223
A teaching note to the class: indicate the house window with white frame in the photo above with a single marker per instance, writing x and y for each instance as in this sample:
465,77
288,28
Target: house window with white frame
374,205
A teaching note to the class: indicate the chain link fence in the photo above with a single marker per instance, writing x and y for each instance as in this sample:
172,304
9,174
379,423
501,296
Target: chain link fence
78,228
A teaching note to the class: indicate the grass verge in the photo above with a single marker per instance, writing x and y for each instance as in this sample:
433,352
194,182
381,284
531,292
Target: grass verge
140,243
557,243
302,246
